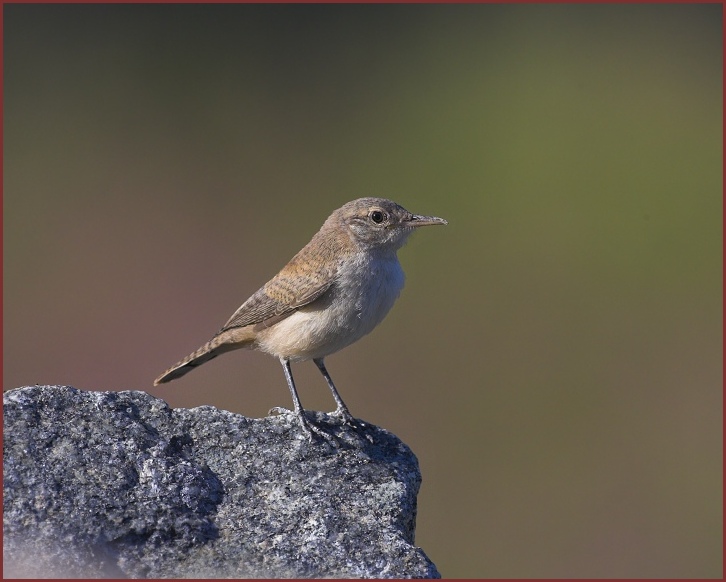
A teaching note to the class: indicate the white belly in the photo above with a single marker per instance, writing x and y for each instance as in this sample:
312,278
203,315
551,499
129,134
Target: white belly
363,294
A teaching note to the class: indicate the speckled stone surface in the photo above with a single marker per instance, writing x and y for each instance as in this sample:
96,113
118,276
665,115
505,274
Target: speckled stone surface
117,484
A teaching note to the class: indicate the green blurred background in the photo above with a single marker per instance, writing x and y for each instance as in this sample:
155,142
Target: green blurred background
555,360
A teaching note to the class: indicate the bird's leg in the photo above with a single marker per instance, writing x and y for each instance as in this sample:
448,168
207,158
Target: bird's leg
342,409
307,427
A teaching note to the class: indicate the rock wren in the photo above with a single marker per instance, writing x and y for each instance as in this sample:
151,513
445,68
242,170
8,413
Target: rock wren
332,293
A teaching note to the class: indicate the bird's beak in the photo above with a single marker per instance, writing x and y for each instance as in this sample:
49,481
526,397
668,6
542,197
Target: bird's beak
418,220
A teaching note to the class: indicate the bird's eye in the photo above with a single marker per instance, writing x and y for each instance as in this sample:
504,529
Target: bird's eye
378,216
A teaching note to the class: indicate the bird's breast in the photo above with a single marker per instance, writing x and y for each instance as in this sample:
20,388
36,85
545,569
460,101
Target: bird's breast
363,293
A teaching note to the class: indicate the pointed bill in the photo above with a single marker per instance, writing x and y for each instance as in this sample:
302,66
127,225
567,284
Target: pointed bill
419,220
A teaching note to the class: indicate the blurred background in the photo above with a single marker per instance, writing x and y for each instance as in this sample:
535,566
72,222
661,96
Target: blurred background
555,360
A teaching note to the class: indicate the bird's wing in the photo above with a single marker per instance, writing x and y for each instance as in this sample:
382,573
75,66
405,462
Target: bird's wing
280,298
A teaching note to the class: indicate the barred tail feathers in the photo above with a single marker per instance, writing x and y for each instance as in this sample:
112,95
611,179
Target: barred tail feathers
232,339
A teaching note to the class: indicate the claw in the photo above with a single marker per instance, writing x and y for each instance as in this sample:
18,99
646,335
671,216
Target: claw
347,418
279,410
308,428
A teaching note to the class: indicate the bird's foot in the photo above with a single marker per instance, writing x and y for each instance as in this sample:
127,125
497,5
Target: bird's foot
308,428
347,418
279,410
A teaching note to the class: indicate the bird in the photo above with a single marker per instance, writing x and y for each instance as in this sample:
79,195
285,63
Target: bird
333,292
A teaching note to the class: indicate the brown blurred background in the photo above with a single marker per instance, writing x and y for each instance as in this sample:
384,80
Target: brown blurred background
555,358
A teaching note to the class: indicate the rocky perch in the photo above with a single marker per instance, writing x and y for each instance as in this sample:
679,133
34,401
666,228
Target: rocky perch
117,484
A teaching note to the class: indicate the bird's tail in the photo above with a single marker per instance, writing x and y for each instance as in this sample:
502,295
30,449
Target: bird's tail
226,341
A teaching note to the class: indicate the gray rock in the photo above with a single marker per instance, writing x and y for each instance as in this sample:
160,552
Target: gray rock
117,484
